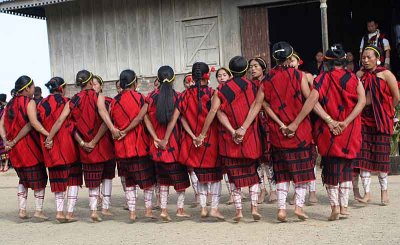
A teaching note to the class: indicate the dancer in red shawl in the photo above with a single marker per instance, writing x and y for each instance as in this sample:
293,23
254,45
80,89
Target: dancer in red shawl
285,90
165,152
258,69
65,171
337,131
382,96
109,169
295,62
25,154
96,149
233,99
4,158
127,111
194,105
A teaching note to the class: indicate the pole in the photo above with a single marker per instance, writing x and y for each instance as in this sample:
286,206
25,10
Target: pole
324,25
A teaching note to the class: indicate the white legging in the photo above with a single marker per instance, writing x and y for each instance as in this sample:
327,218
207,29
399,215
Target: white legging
282,190
195,182
366,180
23,196
106,189
339,194
164,194
131,197
213,188
237,195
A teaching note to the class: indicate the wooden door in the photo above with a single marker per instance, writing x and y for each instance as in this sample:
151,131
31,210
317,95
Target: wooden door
254,33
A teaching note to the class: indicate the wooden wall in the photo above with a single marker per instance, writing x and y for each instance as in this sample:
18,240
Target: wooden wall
108,36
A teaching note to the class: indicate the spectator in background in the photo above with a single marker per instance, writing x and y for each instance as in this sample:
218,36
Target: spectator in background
376,38
316,66
351,65
37,96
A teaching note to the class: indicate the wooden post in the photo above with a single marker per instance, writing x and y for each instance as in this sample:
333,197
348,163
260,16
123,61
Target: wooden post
324,25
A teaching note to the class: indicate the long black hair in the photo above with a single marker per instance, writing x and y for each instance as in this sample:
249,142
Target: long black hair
165,101
238,65
55,84
199,69
127,78
335,56
83,77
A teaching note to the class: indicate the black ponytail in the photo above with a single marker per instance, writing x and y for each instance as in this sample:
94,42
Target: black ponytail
83,77
238,66
22,83
165,101
199,69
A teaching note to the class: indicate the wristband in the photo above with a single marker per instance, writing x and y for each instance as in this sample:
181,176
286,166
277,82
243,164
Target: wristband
81,143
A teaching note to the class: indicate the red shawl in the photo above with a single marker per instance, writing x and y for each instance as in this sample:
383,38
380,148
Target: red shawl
282,91
87,121
236,96
27,152
382,101
171,154
64,150
206,155
124,108
338,96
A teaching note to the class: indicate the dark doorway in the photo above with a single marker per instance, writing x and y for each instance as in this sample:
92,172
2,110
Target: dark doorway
300,25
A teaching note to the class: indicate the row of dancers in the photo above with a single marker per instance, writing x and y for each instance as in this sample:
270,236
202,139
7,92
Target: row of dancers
271,124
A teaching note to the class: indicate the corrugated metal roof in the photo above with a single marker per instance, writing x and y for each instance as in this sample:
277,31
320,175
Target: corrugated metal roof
32,8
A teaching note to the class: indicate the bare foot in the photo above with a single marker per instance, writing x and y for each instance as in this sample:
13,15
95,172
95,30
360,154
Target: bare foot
95,217
165,216
356,192
344,211
132,215
230,201
203,213
292,200
366,198
22,214
182,214
384,198
272,197
40,216
60,217
216,214
300,213
70,217
149,213
238,215
313,198
254,212
262,196
106,212
334,214
282,215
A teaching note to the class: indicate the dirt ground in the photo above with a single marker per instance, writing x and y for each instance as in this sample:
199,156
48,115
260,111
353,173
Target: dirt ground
368,224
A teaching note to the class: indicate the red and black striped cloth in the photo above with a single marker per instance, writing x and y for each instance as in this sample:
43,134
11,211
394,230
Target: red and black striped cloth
241,171
172,174
66,175
94,173
295,165
139,171
338,97
336,170
34,177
